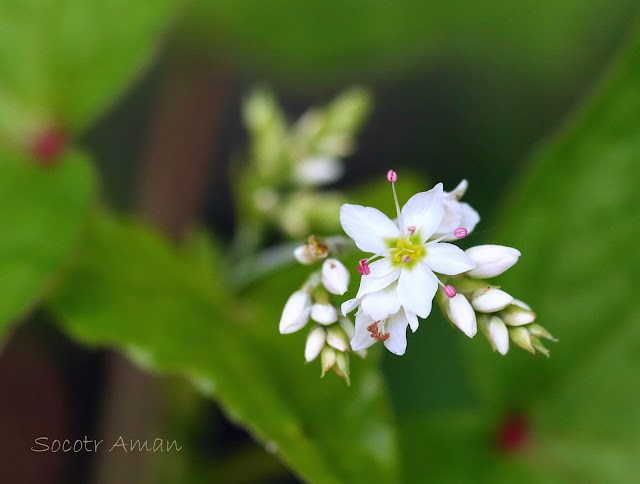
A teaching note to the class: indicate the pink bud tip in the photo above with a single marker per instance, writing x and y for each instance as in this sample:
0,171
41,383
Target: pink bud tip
363,267
411,229
460,233
392,176
450,291
48,146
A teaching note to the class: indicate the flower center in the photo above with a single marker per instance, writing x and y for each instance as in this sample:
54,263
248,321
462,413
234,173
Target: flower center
406,251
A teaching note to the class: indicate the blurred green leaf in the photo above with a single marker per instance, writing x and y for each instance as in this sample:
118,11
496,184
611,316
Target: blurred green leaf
44,210
64,61
317,42
574,217
132,291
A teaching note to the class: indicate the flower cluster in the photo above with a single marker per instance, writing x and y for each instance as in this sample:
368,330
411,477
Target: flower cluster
331,332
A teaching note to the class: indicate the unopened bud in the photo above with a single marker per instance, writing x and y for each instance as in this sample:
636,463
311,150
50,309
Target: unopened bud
324,313
462,315
537,330
496,332
537,344
491,260
514,315
303,255
342,366
315,342
335,277
296,312
491,300
328,359
522,338
337,338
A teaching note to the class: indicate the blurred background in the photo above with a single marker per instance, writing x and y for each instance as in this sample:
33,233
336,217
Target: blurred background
459,90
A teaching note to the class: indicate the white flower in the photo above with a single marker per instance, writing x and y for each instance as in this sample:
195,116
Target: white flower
296,312
404,253
320,170
315,342
491,260
392,331
456,214
462,315
491,300
324,313
497,333
335,277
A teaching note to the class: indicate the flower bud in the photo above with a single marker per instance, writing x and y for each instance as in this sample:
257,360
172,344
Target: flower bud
335,277
303,255
324,313
537,330
522,304
491,260
337,338
296,312
462,315
496,332
342,366
328,359
490,300
537,344
522,338
315,342
514,315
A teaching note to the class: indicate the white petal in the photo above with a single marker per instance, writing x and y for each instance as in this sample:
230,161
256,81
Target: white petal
470,217
382,274
458,192
296,312
413,320
324,313
491,260
363,338
522,304
303,255
368,227
349,305
462,315
416,288
451,220
335,277
491,301
499,335
381,304
396,326
424,211
447,259
315,342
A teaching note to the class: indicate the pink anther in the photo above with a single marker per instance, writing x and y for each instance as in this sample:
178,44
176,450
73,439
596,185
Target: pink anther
392,176
460,233
450,291
363,267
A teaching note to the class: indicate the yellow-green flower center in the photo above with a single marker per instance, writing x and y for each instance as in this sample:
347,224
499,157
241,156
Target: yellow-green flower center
406,251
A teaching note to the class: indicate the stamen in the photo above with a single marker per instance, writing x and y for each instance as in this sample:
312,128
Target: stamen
450,291
460,233
363,268
392,177
406,258
411,229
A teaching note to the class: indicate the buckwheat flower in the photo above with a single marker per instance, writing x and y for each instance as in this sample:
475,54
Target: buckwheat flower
461,314
324,313
456,213
392,331
491,260
315,342
335,277
490,300
296,312
403,251
496,332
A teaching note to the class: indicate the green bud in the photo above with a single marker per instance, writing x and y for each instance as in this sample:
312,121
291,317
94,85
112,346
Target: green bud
342,366
514,315
537,330
328,359
522,338
537,344
337,338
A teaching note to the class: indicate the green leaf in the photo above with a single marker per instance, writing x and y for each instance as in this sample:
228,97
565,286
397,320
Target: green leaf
574,218
43,213
131,290
64,61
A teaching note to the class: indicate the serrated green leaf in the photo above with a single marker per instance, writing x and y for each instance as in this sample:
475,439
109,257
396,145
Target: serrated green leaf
132,291
43,211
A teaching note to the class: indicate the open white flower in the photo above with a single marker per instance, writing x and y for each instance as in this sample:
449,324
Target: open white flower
392,331
404,253
456,214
